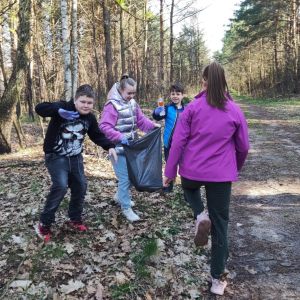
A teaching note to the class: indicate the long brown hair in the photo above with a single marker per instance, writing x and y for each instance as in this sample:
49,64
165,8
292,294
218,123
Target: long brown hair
216,85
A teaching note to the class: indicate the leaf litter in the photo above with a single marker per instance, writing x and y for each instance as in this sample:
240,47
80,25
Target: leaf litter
103,263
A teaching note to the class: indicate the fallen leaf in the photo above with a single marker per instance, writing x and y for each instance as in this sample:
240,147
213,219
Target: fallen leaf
110,236
147,296
17,239
69,248
66,267
99,293
90,289
20,283
114,222
56,297
120,278
71,286
111,183
251,271
2,263
194,293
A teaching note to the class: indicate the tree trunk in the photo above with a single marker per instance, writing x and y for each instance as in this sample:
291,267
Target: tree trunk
137,70
171,44
108,57
18,131
161,75
29,90
96,60
143,84
122,40
11,93
2,60
75,48
66,50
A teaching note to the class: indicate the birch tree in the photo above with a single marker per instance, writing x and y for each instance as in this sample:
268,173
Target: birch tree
74,48
66,50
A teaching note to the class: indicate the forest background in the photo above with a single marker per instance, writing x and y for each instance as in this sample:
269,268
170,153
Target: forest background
48,48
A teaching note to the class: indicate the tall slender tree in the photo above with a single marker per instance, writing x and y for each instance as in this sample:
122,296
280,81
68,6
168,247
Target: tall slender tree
11,93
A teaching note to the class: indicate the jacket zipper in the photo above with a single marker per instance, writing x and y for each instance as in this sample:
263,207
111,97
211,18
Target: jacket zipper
132,131
171,134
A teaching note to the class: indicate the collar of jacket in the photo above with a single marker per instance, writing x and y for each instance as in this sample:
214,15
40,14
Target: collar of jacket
182,104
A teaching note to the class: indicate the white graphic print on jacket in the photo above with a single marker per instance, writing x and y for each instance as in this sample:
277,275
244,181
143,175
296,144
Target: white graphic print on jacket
70,137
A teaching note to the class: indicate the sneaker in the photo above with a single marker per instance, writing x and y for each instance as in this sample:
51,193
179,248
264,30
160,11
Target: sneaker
202,230
130,215
117,199
78,225
218,286
43,232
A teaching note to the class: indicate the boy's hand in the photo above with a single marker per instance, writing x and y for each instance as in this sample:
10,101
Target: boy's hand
167,180
159,109
68,115
112,152
124,141
156,125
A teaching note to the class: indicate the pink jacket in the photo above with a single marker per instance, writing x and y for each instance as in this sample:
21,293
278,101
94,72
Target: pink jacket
214,143
109,119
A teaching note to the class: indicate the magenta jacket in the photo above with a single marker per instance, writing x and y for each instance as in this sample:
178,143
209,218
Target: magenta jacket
214,143
109,119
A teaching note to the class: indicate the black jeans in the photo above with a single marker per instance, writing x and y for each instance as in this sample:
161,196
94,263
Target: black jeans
218,200
64,171
170,187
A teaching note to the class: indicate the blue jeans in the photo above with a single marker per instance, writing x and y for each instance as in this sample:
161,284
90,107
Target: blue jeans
64,171
124,185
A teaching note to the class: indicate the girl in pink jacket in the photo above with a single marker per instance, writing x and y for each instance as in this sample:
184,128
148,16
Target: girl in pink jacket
213,133
120,120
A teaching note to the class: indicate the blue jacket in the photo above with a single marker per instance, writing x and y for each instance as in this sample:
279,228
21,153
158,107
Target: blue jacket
171,117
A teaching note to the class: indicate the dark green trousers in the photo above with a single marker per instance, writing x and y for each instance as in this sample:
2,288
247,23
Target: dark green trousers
218,199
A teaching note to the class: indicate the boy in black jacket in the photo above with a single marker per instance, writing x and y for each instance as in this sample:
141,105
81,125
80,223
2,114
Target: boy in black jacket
69,123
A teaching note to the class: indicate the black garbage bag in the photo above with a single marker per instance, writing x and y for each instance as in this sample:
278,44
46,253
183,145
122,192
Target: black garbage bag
144,162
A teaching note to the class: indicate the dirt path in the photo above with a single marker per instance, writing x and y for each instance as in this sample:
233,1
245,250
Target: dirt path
265,215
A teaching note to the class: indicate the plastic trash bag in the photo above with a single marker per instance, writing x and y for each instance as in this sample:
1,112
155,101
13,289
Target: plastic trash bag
144,162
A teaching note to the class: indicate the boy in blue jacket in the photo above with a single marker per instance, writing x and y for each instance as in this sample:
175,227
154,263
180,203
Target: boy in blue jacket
172,113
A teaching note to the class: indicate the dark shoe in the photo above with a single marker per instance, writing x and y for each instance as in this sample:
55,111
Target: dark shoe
43,232
78,225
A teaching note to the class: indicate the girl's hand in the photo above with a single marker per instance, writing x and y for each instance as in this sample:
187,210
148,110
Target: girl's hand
112,152
167,180
156,125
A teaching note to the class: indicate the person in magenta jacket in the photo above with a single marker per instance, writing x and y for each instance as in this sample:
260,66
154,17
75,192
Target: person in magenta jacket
211,139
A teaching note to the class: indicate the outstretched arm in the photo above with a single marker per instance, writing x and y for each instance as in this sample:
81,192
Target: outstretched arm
49,109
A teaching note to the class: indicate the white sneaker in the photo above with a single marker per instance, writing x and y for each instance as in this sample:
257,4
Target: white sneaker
130,215
218,286
117,199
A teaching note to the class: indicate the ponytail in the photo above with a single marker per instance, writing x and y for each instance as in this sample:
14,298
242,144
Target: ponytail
216,86
126,80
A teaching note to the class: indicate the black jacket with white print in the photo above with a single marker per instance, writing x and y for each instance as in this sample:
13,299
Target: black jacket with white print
65,137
